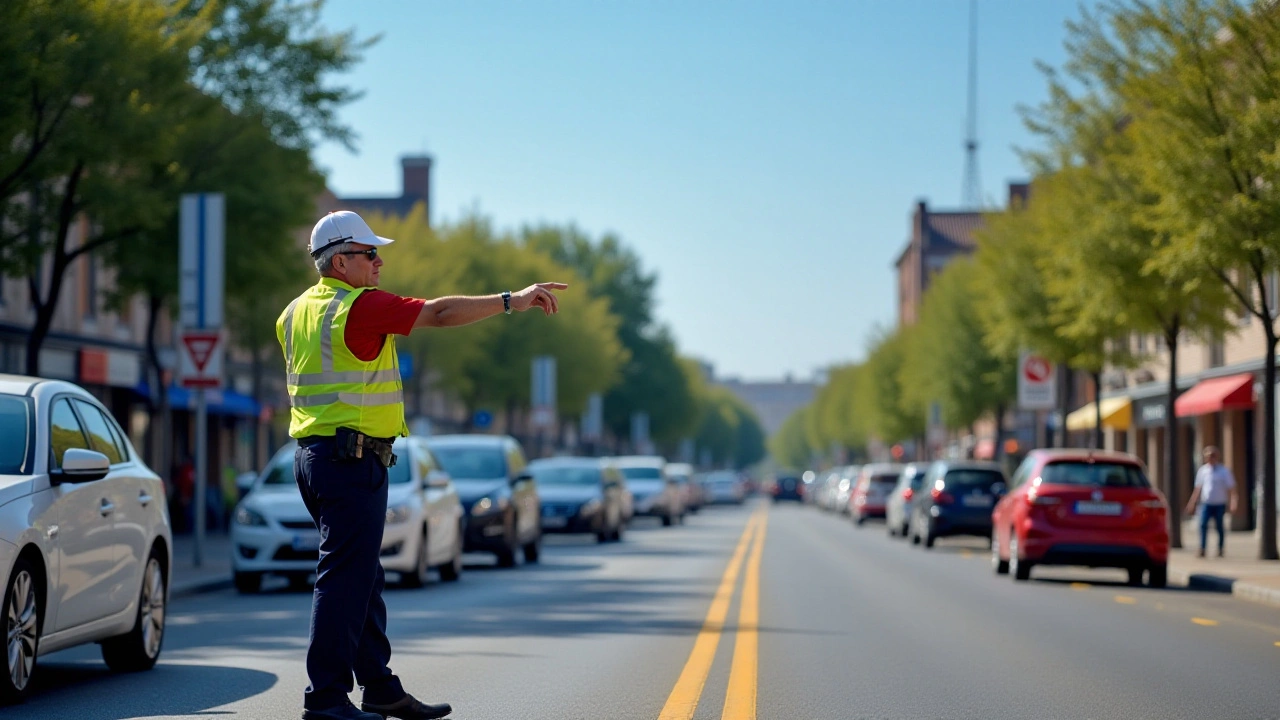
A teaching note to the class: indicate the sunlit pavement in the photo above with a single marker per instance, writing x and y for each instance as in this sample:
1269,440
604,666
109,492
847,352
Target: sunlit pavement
851,624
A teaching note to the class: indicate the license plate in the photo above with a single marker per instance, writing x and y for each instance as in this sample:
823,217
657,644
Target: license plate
976,501
1085,507
554,522
306,542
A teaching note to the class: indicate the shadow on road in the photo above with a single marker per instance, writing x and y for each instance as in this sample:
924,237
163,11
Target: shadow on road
70,690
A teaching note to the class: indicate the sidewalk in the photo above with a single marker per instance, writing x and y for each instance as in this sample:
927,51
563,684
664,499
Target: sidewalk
1240,572
214,572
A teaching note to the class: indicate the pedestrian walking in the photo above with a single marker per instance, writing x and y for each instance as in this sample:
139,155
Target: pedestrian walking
347,407
1215,491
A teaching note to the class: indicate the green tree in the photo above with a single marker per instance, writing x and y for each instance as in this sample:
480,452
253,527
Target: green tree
653,380
789,446
1199,82
948,360
894,416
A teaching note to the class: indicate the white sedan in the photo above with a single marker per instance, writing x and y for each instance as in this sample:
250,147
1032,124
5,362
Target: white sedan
85,541
272,533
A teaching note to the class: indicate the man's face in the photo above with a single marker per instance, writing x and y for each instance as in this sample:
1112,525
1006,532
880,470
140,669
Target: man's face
357,268
1211,457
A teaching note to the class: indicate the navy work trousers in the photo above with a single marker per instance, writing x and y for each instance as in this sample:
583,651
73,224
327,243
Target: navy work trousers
348,501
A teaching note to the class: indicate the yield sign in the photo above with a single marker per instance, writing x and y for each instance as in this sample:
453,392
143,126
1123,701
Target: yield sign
201,361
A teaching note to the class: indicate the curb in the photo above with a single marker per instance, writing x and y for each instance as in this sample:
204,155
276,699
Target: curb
1242,590
198,587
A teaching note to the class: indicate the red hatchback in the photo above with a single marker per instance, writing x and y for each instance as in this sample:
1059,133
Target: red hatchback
1081,507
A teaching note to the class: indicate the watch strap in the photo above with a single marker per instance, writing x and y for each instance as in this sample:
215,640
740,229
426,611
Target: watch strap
506,301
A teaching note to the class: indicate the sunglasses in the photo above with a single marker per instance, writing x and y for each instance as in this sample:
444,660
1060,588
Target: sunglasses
371,253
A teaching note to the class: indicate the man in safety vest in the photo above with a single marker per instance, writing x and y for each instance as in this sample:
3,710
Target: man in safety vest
347,407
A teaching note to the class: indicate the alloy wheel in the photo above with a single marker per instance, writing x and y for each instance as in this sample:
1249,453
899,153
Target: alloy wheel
153,609
22,628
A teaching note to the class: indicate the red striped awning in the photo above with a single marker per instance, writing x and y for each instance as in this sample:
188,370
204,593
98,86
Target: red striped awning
1234,392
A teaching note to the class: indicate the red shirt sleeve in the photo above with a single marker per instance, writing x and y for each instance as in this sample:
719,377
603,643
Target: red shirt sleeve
375,315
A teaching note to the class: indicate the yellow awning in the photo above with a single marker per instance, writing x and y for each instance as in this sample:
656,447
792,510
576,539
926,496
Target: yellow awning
1117,414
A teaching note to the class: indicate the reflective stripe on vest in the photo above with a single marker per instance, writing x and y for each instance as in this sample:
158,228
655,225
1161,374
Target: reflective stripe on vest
329,387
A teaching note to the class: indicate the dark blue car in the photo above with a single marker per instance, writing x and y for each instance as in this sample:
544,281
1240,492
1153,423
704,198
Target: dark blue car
956,499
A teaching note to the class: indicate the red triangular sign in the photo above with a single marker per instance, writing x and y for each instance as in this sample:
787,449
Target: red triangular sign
201,349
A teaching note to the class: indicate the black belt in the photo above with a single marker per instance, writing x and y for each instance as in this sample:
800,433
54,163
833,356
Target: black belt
352,445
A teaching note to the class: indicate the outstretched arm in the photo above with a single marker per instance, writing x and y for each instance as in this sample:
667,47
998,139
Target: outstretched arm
458,310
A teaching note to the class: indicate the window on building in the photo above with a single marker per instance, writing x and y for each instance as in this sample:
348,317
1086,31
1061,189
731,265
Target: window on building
1273,290
1217,353
1142,344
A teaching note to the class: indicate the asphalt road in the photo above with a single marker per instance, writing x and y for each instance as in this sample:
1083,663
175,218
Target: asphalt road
702,621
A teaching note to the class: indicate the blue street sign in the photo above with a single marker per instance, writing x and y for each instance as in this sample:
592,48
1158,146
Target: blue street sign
406,364
482,419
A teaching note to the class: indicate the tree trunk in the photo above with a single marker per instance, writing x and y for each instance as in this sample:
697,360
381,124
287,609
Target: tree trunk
999,454
1171,439
1267,522
1098,440
47,305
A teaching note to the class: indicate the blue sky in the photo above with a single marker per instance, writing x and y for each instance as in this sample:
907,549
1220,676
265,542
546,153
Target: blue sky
762,157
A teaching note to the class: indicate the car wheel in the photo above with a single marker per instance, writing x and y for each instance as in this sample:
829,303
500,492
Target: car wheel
140,648
22,613
929,536
859,520
1135,575
1000,565
1158,575
532,550
299,582
417,577
667,521
247,583
1020,568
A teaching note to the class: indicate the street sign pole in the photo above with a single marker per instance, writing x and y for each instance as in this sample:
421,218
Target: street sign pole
201,260
202,479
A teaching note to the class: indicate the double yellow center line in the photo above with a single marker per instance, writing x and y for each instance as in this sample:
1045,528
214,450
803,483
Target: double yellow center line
740,701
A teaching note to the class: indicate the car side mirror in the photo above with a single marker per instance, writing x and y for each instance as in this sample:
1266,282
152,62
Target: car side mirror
436,480
998,489
80,465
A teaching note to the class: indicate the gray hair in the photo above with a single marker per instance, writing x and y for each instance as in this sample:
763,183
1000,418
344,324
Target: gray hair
324,261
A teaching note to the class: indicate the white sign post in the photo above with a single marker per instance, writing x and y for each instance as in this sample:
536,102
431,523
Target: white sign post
201,257
1037,382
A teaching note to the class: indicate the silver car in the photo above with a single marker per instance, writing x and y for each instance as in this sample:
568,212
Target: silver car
655,492
272,532
897,509
85,542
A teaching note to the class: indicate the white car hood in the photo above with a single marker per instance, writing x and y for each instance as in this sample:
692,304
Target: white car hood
285,503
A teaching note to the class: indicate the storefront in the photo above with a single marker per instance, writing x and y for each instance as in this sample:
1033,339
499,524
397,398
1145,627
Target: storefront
1117,416
1222,411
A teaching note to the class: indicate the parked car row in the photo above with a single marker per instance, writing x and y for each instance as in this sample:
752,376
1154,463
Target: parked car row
1073,507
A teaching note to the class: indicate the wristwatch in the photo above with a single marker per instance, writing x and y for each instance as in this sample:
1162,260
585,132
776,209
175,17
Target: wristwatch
506,301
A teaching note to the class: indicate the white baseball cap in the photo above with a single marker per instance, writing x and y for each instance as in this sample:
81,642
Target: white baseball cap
343,226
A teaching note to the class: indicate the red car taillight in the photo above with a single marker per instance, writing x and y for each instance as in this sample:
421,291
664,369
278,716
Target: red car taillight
941,497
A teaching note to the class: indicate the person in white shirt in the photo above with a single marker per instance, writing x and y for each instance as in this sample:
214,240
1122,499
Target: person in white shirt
1215,488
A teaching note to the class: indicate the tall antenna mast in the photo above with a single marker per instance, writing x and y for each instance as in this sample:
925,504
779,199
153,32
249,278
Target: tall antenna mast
971,193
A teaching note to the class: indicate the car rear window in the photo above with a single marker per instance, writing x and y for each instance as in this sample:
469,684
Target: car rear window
1094,474
885,479
642,473
971,479
15,426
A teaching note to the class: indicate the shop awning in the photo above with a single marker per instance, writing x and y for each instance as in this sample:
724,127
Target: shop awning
1234,392
220,402
1117,414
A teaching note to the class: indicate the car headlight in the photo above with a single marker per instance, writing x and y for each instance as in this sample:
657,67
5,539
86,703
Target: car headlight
591,507
245,516
397,514
486,505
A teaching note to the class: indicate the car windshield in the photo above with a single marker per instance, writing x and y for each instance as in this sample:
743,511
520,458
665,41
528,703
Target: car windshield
972,479
565,475
281,473
642,473
471,462
1094,474
15,426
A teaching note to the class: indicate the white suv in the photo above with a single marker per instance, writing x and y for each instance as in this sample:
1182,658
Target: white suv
85,542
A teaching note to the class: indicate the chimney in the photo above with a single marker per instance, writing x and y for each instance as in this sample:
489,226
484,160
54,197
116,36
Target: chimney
417,181
1018,194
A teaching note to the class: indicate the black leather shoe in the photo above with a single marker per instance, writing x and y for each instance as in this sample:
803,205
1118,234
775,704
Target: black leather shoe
340,712
409,708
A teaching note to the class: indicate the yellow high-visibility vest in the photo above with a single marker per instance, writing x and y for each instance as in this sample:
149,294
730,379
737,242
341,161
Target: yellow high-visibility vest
329,387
